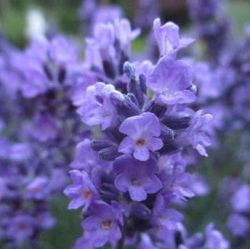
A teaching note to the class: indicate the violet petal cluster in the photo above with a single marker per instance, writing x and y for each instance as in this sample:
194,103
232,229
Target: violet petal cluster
130,173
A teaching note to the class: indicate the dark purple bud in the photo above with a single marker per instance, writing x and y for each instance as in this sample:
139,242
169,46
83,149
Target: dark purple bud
125,107
61,74
135,88
108,196
169,146
176,123
167,132
132,97
109,153
178,238
157,109
98,144
109,69
142,81
48,71
113,134
140,211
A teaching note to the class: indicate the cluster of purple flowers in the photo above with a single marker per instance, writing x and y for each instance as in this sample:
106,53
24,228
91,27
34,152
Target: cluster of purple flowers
131,130
223,91
38,126
223,82
24,193
211,238
130,175
212,27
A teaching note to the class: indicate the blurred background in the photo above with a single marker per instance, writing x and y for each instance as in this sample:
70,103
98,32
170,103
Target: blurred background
65,16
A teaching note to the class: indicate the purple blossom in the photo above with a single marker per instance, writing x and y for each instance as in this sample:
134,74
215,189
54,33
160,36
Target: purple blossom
241,199
38,189
212,239
19,151
44,128
142,136
82,192
97,109
168,38
62,51
108,13
136,177
199,126
102,225
125,34
238,224
171,81
165,218
105,34
20,227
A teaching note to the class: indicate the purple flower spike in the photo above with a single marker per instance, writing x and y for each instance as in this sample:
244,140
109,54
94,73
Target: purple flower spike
81,192
146,136
137,178
102,225
142,135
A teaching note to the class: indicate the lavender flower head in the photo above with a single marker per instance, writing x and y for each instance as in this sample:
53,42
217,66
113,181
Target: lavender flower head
38,143
142,127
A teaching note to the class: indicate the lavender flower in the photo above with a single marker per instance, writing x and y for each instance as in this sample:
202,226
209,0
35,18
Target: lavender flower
141,129
97,107
139,179
168,38
102,224
20,227
38,189
82,190
142,132
171,81
40,118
